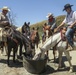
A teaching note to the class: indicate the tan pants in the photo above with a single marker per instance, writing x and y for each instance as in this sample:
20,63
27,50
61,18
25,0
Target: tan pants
3,35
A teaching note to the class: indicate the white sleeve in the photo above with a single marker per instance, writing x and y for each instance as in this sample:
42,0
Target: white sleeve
74,15
65,21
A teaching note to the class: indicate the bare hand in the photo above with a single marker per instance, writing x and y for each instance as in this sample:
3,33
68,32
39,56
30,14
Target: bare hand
55,30
70,26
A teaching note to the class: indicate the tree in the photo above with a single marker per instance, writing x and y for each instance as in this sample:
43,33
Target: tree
12,17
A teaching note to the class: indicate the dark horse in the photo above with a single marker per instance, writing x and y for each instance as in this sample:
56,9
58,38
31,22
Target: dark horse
14,39
33,35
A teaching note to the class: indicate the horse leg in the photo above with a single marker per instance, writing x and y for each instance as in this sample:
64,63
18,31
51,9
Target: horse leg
5,44
47,53
54,53
68,58
37,44
1,47
25,47
9,52
14,53
60,58
20,51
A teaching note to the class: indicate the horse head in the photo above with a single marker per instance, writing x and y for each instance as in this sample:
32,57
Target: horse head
34,37
47,30
26,29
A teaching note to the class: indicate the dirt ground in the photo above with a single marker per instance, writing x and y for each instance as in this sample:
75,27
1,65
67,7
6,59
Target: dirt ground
51,68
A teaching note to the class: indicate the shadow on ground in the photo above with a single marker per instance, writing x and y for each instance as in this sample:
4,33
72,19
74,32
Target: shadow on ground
17,64
48,70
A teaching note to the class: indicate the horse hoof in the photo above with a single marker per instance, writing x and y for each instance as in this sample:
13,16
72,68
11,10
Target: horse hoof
58,69
71,70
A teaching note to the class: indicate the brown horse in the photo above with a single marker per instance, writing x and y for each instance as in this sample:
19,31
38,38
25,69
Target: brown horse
34,37
46,32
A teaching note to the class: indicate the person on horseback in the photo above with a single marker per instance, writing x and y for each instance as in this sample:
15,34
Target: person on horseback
51,21
70,21
4,21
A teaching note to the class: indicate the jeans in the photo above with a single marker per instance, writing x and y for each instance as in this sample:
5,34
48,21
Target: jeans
69,35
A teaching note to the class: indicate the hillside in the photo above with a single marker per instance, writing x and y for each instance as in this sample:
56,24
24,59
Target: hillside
59,19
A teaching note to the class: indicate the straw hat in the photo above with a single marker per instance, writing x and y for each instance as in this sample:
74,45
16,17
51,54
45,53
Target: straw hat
5,8
49,14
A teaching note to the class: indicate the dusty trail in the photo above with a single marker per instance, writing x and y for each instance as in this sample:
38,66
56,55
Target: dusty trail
18,69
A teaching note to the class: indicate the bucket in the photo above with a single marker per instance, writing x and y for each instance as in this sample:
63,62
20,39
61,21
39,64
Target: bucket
34,66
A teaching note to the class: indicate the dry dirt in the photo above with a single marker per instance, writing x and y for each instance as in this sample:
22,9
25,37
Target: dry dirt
51,69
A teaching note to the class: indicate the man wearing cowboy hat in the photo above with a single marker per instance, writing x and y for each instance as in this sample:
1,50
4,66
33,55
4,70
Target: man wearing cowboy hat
51,21
3,16
4,21
70,20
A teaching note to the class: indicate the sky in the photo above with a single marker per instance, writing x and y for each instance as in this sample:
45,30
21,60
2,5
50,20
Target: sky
34,11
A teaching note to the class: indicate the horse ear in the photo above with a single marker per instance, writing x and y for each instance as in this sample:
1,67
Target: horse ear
25,23
28,23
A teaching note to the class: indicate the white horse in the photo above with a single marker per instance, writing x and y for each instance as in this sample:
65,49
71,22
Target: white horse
61,47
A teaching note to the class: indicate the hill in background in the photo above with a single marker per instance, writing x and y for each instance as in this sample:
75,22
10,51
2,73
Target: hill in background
59,19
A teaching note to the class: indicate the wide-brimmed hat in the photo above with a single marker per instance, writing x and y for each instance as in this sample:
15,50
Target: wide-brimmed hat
67,6
5,8
49,14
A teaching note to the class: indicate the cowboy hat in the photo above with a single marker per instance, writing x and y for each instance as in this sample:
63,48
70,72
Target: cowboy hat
49,14
67,6
5,8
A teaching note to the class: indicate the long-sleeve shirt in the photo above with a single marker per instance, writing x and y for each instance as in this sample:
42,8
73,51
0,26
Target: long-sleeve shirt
70,18
3,19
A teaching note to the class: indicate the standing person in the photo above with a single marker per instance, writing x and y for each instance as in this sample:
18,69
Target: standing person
51,21
70,21
4,21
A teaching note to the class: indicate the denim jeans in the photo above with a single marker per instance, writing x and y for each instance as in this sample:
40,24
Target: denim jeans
69,35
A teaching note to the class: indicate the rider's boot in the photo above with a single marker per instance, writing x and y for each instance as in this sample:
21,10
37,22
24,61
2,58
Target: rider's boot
71,48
